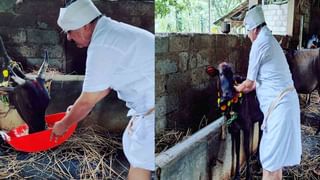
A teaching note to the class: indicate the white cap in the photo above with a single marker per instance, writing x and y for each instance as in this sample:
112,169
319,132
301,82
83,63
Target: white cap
77,14
254,17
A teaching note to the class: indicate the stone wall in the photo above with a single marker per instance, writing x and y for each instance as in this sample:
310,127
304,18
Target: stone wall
30,27
181,60
276,18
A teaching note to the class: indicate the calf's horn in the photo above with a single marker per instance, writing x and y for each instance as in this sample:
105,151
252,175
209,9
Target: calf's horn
16,78
44,66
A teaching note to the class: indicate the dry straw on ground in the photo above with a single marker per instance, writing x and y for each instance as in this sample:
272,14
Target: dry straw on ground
88,154
169,138
309,167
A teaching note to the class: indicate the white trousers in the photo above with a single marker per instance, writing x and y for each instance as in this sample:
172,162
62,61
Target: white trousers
138,142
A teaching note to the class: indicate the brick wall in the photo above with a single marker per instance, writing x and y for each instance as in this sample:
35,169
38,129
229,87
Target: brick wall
276,18
180,67
30,27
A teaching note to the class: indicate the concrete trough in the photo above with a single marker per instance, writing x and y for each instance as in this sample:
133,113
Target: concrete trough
201,156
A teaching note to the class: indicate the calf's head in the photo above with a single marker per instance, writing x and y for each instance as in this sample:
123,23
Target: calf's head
31,99
227,95
225,83
28,96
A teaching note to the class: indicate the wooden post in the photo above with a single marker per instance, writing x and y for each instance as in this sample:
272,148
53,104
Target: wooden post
301,32
290,18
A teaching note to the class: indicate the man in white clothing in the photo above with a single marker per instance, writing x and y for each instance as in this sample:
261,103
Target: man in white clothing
119,57
269,74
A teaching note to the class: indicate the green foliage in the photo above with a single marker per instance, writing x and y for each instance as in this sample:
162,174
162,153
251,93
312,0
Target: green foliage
163,7
221,8
190,15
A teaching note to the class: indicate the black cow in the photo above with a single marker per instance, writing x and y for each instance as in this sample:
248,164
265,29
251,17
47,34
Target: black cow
305,68
241,112
28,96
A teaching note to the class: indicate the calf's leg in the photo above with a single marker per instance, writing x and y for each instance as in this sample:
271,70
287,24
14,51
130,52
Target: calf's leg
237,146
318,120
246,143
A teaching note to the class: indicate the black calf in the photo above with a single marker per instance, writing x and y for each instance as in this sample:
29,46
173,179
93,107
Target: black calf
240,110
28,96
31,100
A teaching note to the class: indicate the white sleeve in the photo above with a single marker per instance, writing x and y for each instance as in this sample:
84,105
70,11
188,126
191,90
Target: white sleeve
101,64
255,58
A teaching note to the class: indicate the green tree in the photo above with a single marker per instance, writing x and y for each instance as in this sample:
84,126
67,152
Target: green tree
190,15
221,8
163,7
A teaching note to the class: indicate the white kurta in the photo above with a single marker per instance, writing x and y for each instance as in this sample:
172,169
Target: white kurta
121,57
281,143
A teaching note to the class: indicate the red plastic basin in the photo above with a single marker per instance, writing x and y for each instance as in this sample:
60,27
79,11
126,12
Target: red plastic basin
39,141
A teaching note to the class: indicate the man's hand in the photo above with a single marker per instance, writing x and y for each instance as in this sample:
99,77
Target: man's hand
238,88
58,130
246,86
77,112
4,136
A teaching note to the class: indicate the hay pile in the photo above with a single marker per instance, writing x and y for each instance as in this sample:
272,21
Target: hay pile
88,154
313,108
168,138
309,167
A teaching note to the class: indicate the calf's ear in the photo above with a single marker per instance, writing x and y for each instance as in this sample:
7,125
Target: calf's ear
212,71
